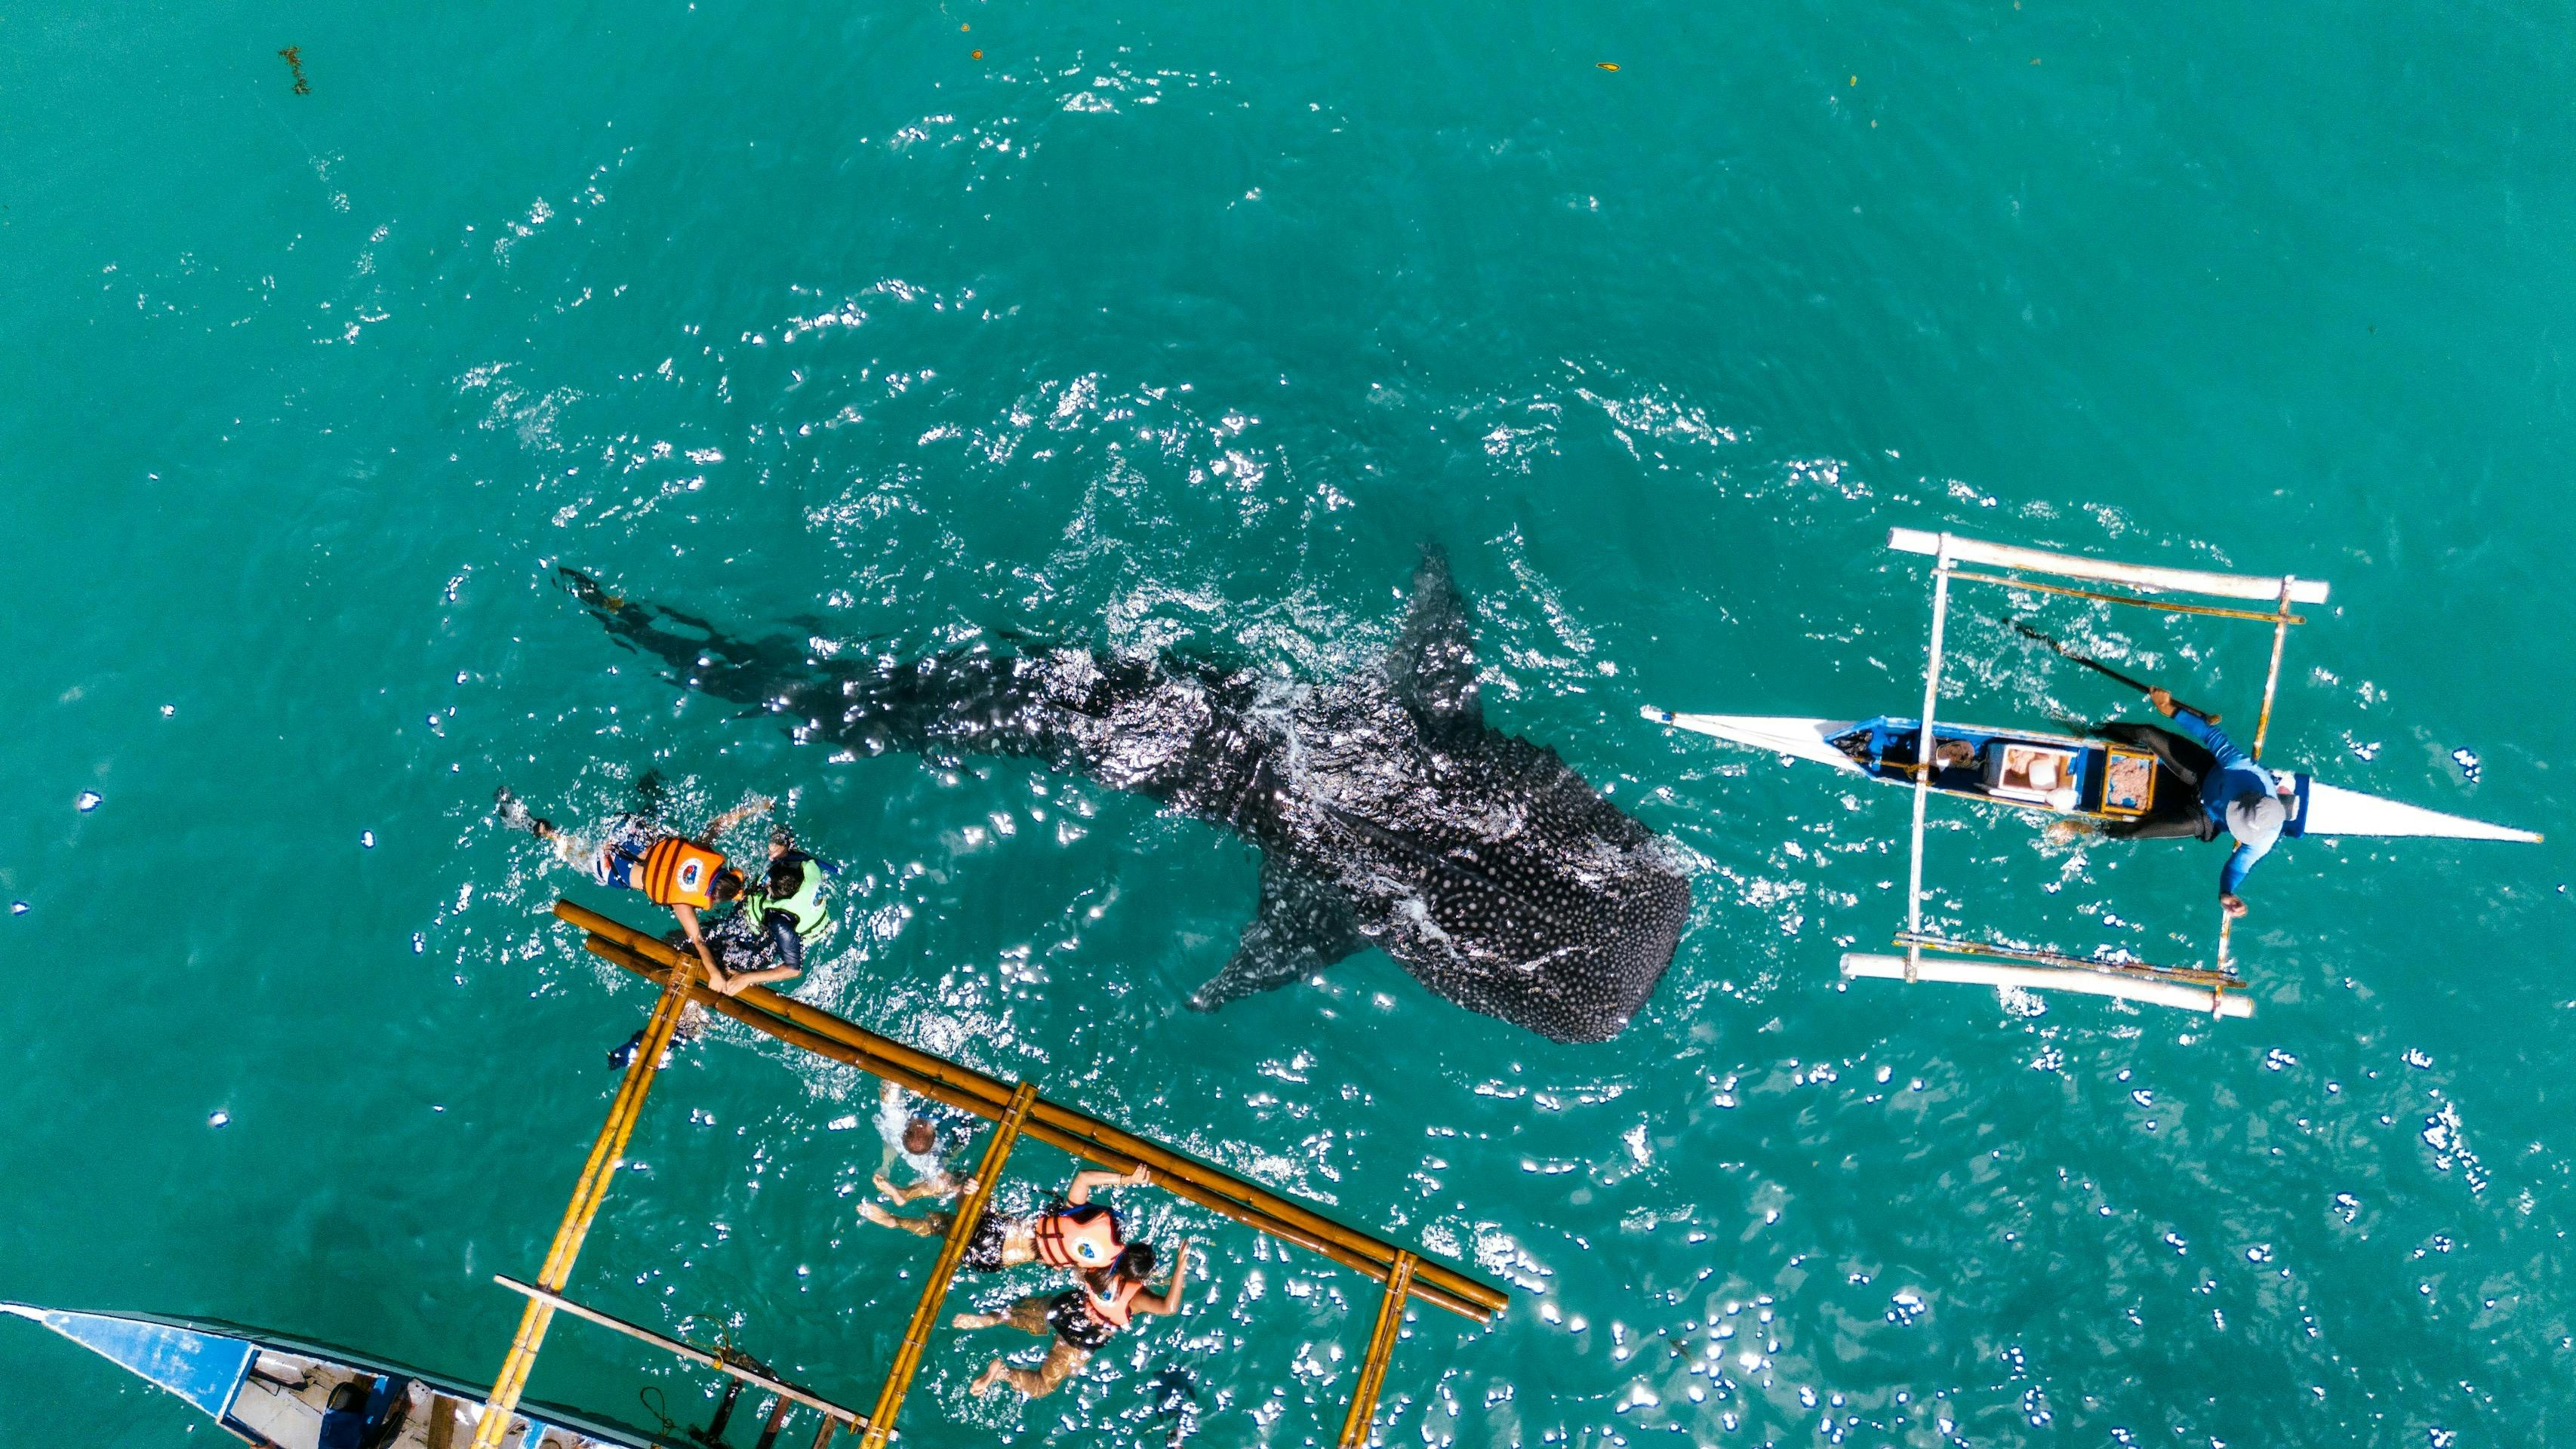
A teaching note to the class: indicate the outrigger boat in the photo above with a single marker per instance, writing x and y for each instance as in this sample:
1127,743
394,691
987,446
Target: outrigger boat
2102,780
282,1393
2055,774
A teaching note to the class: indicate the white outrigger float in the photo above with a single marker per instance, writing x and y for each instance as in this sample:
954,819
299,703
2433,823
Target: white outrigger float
2102,780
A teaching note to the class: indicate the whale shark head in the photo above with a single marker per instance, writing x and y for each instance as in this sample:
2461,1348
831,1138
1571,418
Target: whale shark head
1387,811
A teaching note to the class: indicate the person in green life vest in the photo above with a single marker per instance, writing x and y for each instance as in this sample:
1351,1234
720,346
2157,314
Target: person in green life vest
782,915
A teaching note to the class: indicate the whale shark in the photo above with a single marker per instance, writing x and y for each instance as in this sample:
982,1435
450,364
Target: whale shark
1387,812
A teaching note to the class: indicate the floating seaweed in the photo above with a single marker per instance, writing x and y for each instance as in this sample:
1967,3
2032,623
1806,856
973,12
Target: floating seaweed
295,62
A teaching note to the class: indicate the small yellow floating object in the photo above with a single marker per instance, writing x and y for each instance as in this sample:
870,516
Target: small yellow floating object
965,27
1855,80
1605,65
976,55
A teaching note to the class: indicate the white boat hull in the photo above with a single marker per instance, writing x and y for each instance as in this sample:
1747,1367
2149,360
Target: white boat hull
1794,736
2333,810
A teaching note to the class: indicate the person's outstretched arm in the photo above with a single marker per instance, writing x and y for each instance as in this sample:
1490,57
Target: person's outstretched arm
1084,1181
2200,731
735,816
688,915
784,944
1169,1300
2240,862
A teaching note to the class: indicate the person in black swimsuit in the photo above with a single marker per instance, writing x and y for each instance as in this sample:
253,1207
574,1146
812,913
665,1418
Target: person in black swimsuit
2174,814
1083,1319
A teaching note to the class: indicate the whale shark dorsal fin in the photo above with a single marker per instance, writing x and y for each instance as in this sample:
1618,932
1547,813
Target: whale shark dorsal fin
1302,926
1432,668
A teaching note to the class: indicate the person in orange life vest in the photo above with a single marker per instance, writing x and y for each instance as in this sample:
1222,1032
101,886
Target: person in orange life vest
1079,1234
1082,1318
683,873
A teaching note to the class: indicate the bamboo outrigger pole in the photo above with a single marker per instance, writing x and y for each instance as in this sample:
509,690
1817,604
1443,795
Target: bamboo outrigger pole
1923,754
2272,680
721,1361
1085,1136
2262,727
607,1152
1390,1321
2161,606
970,1216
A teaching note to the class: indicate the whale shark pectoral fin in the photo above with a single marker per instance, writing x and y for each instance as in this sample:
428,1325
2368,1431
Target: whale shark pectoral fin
1432,668
1303,925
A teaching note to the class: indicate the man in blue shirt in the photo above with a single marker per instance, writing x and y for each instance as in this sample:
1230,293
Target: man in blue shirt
2238,795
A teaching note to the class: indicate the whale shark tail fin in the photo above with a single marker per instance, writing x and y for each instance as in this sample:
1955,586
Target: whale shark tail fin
1302,926
1432,668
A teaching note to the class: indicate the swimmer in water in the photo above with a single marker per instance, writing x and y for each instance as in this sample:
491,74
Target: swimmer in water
1083,1319
684,873
927,1140
1079,1235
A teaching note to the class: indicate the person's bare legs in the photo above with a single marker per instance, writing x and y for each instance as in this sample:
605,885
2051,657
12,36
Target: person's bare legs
928,1225
1061,1361
942,1187
1028,1315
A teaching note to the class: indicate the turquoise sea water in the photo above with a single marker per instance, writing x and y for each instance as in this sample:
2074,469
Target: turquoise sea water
1188,326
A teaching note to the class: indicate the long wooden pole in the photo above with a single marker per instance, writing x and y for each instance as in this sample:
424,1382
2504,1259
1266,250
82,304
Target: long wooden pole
1923,754
2257,587
2214,1000
2162,606
2144,970
1390,1322
690,1351
607,1152
2272,680
752,1014
952,1251
1084,1135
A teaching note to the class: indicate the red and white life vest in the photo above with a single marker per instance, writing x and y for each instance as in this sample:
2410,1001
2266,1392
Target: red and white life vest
1077,1239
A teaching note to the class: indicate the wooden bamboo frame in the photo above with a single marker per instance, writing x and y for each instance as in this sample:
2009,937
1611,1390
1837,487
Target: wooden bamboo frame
2282,617
1018,1109
1079,1133
1390,1322
1970,971
2150,577
952,1251
2272,679
2194,975
607,1153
